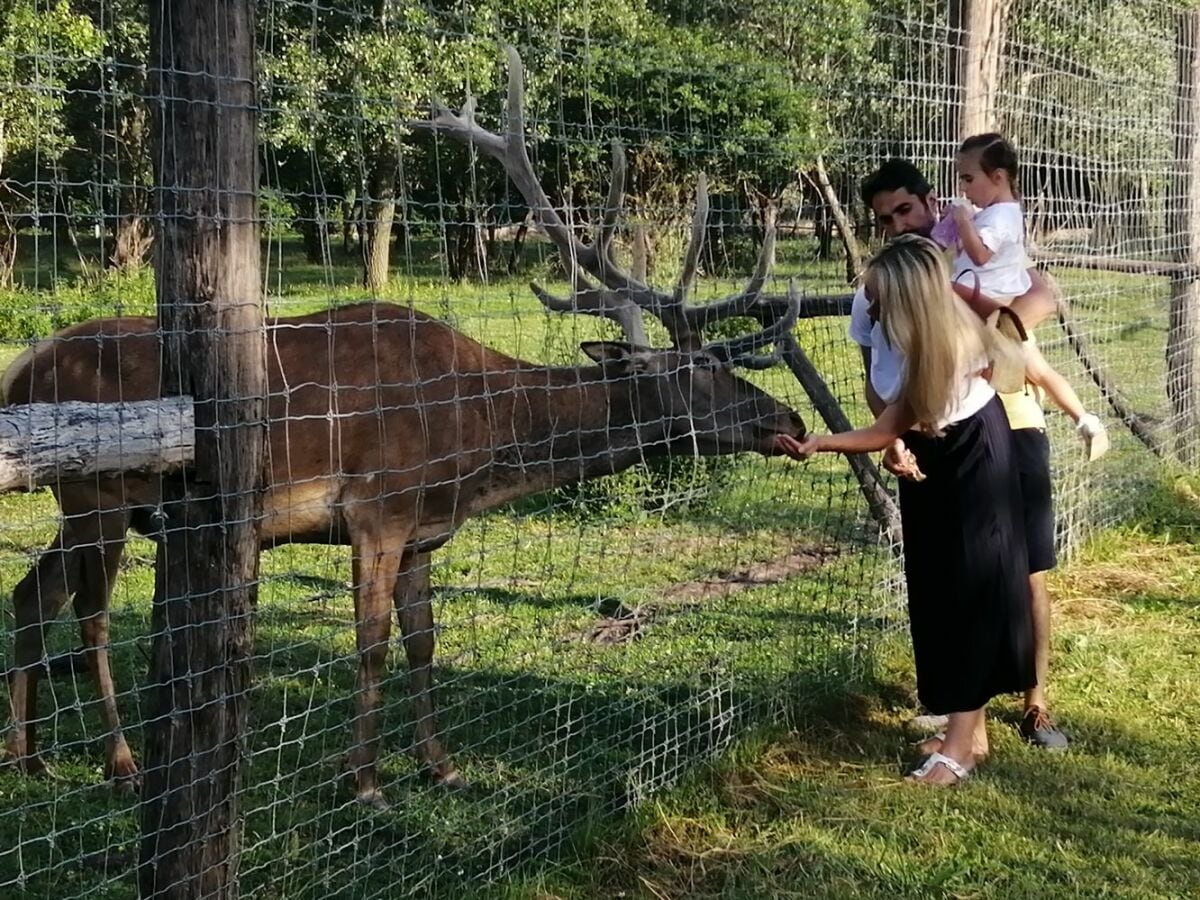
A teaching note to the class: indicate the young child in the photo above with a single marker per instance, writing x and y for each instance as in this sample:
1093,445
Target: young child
991,261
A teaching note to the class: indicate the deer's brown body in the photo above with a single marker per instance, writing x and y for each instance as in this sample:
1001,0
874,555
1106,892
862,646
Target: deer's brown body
387,429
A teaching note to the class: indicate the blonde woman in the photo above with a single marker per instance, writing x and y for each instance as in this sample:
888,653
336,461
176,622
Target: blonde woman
964,546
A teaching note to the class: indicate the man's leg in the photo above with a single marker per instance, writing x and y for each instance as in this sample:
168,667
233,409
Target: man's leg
1036,695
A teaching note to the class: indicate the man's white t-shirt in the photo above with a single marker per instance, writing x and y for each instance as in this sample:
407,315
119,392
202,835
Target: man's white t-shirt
1001,227
888,365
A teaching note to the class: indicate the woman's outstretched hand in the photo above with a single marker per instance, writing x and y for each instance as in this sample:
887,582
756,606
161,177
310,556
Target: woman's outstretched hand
789,446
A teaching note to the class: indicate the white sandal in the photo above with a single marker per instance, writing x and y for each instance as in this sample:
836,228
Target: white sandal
955,768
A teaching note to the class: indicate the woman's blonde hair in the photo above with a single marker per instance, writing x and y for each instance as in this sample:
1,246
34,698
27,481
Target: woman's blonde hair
922,317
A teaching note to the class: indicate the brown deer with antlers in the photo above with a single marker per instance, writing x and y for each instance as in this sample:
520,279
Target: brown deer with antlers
388,429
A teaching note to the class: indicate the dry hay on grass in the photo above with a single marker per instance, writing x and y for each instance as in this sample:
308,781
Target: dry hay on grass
619,623
1093,589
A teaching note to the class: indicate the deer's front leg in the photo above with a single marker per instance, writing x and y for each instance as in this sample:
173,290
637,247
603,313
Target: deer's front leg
376,565
415,613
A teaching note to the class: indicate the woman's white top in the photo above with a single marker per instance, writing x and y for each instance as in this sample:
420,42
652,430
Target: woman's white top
888,367
1001,227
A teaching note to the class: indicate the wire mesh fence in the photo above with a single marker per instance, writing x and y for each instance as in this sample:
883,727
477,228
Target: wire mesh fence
629,584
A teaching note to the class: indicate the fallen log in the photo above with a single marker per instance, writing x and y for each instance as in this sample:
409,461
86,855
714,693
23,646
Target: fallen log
45,443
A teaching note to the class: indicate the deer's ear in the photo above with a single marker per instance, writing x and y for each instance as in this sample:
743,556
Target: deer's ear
608,351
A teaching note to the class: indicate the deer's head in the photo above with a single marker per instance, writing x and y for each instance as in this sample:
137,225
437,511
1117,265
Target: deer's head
686,396
693,401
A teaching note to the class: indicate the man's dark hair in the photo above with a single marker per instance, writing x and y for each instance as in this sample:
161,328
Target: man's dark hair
894,175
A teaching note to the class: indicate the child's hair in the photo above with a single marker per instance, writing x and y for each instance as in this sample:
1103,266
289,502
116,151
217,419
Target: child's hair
922,317
995,152
895,174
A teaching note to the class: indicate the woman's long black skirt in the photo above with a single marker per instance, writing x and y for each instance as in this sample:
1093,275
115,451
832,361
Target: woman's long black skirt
966,565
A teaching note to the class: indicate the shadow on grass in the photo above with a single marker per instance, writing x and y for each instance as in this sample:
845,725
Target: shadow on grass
552,740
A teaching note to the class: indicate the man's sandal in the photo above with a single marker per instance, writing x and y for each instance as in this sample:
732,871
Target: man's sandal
960,772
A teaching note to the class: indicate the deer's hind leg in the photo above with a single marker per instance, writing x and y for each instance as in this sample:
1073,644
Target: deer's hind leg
37,599
415,612
100,567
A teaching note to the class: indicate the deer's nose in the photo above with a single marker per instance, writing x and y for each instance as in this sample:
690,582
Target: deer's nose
797,424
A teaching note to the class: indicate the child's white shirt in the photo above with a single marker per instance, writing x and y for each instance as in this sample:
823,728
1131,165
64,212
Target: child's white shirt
1001,227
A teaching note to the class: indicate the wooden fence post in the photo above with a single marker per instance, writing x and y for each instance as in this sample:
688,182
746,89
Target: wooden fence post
1183,354
207,274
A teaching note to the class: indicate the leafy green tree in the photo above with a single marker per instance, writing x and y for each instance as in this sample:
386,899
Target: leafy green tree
43,46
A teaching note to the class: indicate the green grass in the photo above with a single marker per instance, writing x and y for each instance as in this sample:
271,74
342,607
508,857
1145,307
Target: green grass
818,810
551,730
558,735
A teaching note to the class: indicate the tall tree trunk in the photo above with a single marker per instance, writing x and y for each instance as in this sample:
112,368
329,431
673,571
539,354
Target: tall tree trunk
380,208
208,280
1183,330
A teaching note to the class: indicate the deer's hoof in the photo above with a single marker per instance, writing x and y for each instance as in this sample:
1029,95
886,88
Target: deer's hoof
127,785
28,764
124,775
448,778
371,799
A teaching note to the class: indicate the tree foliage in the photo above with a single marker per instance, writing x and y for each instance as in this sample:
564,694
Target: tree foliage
752,92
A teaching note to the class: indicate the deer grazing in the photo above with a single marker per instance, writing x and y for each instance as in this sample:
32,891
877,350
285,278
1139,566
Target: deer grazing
387,429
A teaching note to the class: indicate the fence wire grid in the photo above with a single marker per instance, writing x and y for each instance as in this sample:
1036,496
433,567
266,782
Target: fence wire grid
597,635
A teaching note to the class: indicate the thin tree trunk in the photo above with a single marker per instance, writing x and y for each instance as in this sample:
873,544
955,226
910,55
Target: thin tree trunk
208,280
8,248
314,236
518,244
845,227
85,268
133,240
977,33
823,230
641,252
134,235
879,500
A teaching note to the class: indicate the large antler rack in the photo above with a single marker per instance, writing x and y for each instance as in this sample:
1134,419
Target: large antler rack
600,286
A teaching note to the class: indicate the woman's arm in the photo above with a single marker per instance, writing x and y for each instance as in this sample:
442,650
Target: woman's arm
896,419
